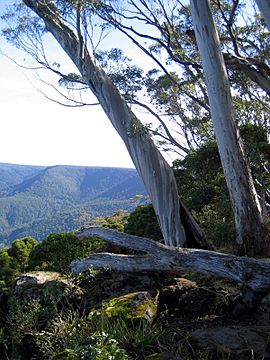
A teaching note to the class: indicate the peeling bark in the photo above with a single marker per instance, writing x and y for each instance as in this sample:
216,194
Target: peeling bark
251,233
253,274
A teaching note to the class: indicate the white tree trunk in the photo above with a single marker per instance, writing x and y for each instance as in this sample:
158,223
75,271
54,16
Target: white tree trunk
264,6
254,274
250,230
157,175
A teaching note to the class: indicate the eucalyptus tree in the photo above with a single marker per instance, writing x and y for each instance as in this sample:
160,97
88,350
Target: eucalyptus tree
157,175
163,30
250,228
66,21
177,95
245,54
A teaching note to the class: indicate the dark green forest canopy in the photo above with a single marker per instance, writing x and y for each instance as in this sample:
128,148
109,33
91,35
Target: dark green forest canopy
36,201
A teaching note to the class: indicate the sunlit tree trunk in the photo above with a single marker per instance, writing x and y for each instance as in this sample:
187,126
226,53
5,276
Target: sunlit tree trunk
250,229
157,175
264,6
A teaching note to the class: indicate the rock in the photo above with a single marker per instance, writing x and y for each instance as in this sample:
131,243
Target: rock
265,304
169,298
112,284
201,302
185,283
186,298
262,315
131,306
44,285
238,342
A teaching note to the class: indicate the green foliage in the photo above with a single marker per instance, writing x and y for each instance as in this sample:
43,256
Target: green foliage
29,25
14,260
203,189
116,221
66,337
128,78
8,269
20,251
57,251
97,346
257,149
23,318
143,222
136,336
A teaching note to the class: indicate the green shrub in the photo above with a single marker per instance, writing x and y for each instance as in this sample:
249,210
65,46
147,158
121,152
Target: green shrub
143,222
202,188
20,250
66,335
99,346
136,336
116,221
8,269
57,251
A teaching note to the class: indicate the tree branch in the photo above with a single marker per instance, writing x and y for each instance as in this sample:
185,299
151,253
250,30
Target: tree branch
247,67
255,274
167,131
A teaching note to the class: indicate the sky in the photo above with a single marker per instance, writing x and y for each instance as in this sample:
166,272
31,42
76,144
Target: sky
36,131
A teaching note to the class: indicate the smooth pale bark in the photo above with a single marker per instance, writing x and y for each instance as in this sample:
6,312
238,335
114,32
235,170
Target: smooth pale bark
264,6
157,175
250,229
253,274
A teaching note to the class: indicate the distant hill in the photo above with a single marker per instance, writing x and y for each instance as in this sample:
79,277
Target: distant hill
11,175
38,200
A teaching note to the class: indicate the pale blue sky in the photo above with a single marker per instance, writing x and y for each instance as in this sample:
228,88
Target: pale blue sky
36,131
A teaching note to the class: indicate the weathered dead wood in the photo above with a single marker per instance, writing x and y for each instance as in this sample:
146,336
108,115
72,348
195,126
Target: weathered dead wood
254,274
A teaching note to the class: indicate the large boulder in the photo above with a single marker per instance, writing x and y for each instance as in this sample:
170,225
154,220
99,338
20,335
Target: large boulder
51,289
39,283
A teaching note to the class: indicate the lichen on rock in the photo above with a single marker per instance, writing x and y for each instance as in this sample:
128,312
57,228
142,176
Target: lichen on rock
131,306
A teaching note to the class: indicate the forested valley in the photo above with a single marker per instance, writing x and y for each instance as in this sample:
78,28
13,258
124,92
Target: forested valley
36,201
187,275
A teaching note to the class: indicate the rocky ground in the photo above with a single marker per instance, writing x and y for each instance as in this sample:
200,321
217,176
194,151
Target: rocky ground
151,316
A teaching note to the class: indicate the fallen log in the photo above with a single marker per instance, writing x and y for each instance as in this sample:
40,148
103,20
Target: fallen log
254,274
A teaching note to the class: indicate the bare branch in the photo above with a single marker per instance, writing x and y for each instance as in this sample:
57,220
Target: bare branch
247,67
252,273
167,131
